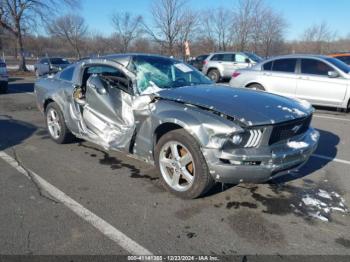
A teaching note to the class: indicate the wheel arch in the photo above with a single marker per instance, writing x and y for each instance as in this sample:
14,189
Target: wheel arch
254,83
47,102
164,128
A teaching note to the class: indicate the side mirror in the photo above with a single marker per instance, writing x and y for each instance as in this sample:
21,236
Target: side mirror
94,82
333,74
247,60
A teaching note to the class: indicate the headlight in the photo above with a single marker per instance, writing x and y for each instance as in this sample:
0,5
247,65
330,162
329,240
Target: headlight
249,138
237,139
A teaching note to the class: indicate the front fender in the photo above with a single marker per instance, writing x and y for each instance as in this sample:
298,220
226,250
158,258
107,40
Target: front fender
202,124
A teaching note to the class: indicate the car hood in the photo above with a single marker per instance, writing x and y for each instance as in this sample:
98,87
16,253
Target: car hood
247,106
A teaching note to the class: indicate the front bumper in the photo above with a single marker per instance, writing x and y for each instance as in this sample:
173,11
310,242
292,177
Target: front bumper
257,165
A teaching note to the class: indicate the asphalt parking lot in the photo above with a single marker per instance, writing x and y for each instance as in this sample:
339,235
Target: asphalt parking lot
79,199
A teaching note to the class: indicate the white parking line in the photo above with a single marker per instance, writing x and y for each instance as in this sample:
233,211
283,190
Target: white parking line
332,159
334,118
104,227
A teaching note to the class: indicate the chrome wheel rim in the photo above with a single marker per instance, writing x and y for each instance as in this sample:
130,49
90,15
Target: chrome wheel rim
176,166
213,76
53,123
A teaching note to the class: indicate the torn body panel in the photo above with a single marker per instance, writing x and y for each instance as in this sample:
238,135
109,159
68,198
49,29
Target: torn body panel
232,126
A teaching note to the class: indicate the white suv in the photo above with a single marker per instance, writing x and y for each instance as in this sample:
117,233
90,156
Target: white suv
320,80
219,66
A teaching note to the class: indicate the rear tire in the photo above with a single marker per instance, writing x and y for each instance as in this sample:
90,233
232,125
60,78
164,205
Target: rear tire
347,109
56,125
214,75
256,87
175,170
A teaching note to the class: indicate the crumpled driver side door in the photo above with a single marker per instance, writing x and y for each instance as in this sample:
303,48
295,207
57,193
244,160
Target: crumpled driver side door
108,113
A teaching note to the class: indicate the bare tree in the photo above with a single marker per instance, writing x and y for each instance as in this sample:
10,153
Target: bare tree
97,44
189,25
18,15
71,28
217,27
273,26
317,37
128,27
243,21
169,19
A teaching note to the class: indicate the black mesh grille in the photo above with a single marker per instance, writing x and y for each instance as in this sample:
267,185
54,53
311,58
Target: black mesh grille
287,130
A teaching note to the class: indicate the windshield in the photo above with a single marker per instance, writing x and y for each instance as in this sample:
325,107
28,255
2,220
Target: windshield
253,57
154,73
58,61
339,64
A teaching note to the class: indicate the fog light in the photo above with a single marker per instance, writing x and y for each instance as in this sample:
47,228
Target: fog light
237,139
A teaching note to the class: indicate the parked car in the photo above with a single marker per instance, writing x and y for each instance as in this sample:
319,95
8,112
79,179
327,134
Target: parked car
198,62
49,65
344,57
169,114
321,80
220,66
3,77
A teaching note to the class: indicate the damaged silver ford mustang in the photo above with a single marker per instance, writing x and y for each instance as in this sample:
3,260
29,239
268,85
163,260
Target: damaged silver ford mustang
170,115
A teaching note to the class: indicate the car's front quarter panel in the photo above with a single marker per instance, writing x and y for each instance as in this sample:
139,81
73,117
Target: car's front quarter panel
208,129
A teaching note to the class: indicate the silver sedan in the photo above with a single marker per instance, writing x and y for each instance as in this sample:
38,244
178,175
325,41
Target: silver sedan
320,80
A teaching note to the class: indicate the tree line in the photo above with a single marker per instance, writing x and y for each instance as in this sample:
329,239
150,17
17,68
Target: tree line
249,25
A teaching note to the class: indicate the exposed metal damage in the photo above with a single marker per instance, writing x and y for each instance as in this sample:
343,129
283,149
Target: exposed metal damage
125,103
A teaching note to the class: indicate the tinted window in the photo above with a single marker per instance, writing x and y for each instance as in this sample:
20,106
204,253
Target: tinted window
228,57
223,57
345,59
284,65
267,66
216,57
314,67
67,74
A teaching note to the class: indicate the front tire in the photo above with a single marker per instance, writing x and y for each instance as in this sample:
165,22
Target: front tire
182,166
56,125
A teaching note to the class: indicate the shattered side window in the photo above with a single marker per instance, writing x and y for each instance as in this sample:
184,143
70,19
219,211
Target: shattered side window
110,75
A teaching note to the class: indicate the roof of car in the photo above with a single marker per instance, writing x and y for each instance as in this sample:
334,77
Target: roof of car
124,59
225,52
296,56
